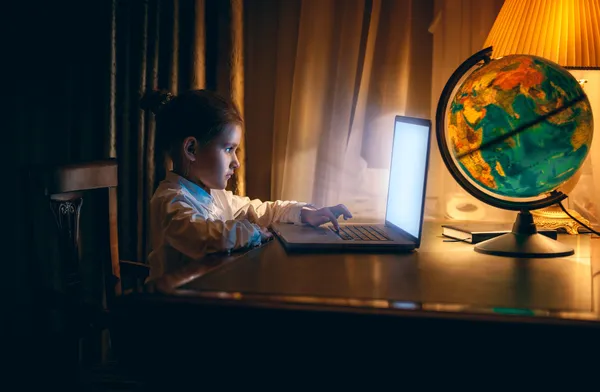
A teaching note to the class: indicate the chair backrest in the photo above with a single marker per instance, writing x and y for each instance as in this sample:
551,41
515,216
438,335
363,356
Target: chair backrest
82,177
65,186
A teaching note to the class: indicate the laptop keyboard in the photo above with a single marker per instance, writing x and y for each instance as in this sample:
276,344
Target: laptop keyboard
361,233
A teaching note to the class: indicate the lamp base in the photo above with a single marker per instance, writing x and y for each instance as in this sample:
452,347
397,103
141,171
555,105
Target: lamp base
554,218
524,241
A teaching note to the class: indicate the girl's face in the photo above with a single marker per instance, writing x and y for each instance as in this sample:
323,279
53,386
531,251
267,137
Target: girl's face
214,164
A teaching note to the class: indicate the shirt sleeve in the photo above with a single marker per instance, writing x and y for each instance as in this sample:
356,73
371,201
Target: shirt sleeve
193,235
265,213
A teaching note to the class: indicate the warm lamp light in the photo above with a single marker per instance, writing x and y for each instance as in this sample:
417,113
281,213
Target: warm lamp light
566,32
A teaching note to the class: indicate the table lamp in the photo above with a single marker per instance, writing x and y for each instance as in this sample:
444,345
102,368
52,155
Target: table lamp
566,32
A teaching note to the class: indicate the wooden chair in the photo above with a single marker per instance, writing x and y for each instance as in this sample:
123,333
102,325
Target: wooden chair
65,187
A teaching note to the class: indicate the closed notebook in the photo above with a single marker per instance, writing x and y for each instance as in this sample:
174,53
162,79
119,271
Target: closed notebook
476,232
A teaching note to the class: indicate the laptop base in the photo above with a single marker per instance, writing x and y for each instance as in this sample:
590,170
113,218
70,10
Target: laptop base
322,239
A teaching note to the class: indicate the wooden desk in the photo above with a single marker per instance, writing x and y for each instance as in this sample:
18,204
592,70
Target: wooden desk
355,309
441,279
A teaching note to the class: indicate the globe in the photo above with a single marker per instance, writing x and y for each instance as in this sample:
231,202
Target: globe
505,94
513,130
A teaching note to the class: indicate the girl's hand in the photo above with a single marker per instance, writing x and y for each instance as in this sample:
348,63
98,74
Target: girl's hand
323,215
265,235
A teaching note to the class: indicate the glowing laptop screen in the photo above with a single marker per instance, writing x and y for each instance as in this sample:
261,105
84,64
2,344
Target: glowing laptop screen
408,174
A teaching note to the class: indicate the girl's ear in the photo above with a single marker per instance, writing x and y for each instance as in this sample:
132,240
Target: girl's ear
190,145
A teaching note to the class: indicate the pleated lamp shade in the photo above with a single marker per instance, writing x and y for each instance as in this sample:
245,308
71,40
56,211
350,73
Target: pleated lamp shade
564,31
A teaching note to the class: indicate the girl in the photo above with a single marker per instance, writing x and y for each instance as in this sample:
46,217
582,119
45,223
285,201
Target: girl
190,212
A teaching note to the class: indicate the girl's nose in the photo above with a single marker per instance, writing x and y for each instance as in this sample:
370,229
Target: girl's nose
235,163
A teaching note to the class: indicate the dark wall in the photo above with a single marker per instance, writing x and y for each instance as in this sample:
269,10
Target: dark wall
55,94
60,61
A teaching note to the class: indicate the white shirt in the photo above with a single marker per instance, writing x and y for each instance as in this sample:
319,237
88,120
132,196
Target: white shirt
186,222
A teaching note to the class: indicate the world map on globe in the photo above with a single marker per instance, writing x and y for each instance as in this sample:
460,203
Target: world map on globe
488,110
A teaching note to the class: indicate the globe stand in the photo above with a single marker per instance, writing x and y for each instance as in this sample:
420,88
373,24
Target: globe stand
524,241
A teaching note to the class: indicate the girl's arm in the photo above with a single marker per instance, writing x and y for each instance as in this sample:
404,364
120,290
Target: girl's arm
264,213
193,235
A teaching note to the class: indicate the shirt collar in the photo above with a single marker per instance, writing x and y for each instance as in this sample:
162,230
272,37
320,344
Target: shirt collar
191,187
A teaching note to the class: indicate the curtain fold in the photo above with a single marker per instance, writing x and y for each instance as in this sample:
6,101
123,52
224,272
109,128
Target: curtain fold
288,16
236,83
349,68
160,44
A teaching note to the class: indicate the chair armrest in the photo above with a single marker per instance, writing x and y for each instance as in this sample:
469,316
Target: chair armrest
134,269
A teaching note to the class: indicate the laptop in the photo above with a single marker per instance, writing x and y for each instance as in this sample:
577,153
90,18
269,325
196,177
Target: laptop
404,207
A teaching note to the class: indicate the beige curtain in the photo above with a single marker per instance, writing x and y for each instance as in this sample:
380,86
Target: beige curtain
167,44
356,65
459,29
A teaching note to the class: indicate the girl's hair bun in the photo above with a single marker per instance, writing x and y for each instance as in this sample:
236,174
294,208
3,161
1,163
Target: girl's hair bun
155,100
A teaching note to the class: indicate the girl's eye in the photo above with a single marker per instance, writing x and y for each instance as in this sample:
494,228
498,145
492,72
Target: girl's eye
229,149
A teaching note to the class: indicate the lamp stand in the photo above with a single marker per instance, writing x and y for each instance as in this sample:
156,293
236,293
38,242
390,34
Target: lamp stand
554,218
